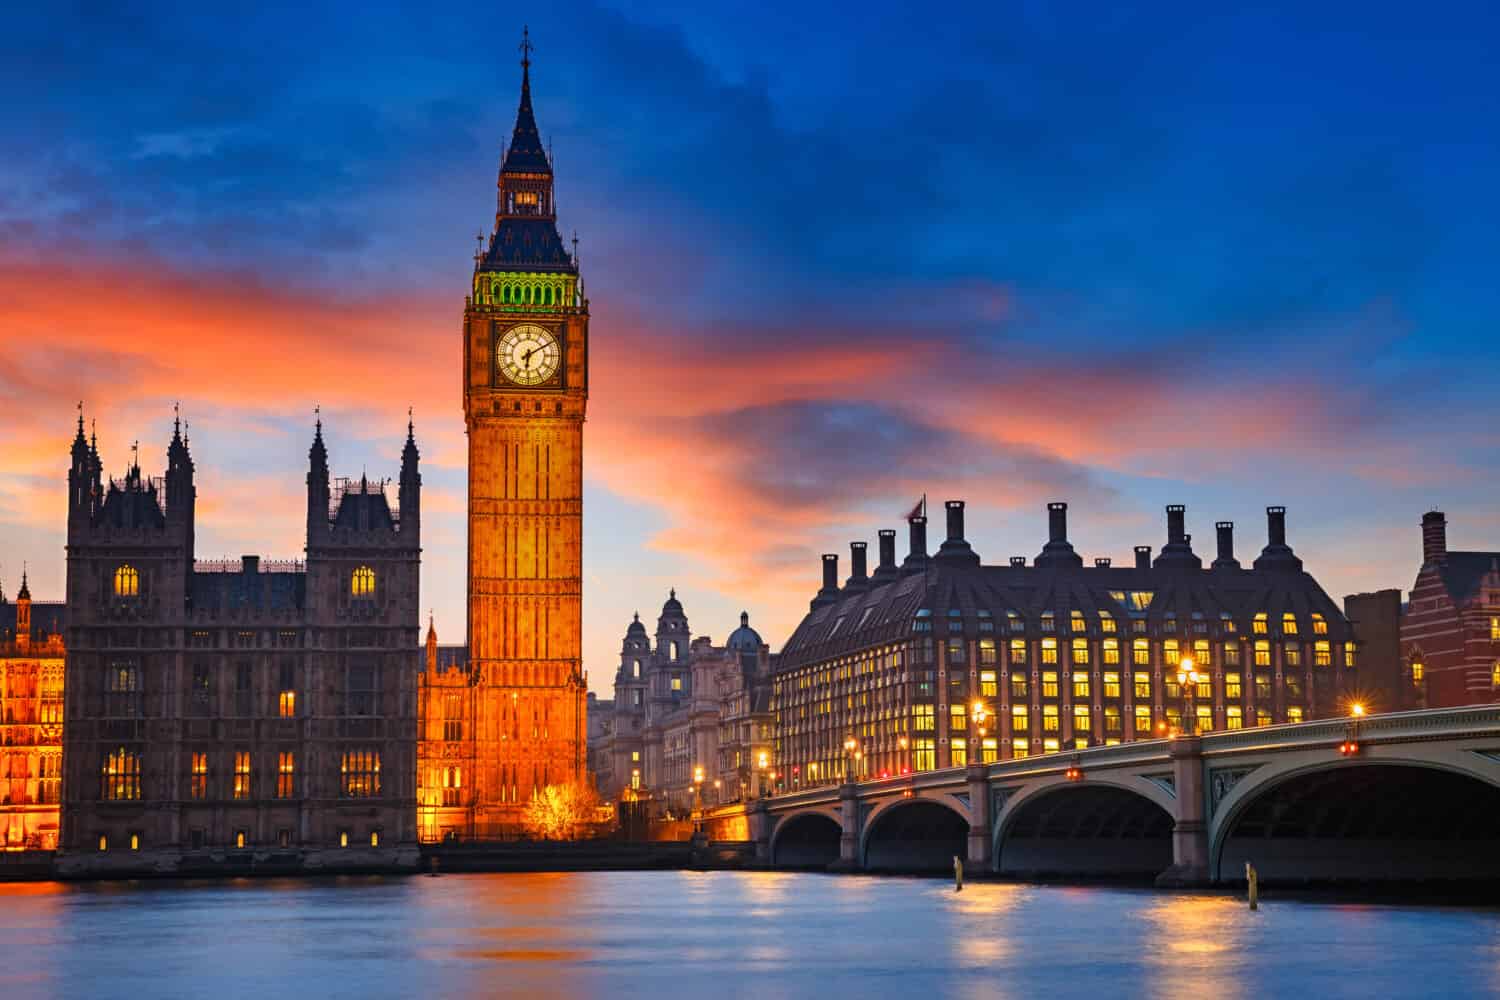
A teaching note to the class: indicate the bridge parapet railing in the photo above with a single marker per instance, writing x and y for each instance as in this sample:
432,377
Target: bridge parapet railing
1432,723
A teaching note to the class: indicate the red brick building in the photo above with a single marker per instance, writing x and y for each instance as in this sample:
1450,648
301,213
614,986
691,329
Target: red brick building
1450,632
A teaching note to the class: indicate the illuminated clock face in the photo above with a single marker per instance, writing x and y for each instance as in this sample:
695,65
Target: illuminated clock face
527,355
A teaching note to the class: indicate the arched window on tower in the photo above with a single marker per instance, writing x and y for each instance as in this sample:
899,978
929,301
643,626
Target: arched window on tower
127,582
362,583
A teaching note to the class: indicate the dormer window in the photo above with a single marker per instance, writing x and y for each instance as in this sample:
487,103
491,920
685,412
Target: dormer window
1106,621
1288,624
1049,622
362,583
1076,623
127,582
1258,626
1320,624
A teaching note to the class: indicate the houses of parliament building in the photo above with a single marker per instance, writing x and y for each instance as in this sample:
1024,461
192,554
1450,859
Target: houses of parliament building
174,715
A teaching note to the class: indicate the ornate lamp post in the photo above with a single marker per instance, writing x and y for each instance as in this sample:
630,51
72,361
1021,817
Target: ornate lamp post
698,787
851,755
1188,677
980,714
762,761
902,743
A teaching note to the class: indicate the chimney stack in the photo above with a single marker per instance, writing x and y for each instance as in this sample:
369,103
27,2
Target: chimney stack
1277,555
1434,537
830,591
1176,523
887,569
1102,562
1018,560
917,558
858,577
1058,551
1057,522
1143,557
1178,552
1226,559
956,548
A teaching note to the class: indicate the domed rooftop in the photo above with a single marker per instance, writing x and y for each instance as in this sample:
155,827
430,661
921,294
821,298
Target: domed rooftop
636,628
673,606
744,639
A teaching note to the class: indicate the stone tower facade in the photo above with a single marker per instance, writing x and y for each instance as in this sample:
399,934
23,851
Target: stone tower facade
525,388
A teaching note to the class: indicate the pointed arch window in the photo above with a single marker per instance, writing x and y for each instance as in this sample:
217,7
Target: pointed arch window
121,776
127,581
362,583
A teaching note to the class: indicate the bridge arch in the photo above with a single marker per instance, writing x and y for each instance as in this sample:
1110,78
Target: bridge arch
806,839
1418,816
918,834
1092,828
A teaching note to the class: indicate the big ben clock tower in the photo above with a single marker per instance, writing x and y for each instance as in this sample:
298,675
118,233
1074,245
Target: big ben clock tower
526,326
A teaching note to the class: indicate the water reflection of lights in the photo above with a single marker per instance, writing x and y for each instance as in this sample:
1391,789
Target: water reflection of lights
1194,946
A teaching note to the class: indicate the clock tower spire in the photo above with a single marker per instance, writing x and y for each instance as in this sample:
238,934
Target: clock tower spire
525,337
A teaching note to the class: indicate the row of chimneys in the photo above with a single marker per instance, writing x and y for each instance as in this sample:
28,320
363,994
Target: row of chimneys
1058,552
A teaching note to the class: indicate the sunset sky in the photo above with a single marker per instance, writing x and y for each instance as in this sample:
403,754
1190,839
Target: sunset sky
837,257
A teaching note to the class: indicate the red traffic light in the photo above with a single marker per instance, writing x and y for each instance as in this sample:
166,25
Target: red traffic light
1348,748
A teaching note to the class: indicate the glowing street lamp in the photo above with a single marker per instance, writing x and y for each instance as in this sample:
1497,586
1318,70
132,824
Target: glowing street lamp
698,786
1188,677
851,755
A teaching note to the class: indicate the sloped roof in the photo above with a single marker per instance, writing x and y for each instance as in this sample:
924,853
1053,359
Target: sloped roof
47,618
1461,572
275,591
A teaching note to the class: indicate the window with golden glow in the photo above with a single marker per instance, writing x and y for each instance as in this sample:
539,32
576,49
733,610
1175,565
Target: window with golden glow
1112,722
1262,717
1288,624
1320,624
1169,652
1081,651
1050,719
1291,655
362,582
121,776
988,685
957,718
1418,671
1140,652
1205,717
922,718
198,776
1082,720
1111,685
987,652
1111,652
1234,717
1232,688
1349,654
1258,626
1262,653
287,704
1050,745
1076,623
1294,713
127,582
1143,685
1020,747
1020,718
1140,600
1049,684
1142,720
1018,651
923,754
359,773
989,750
1495,674
374,838
1106,622
1049,650
242,774
453,782
958,755
343,838
286,774
1495,628
1080,684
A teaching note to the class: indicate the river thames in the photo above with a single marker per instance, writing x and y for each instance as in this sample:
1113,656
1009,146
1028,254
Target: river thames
669,934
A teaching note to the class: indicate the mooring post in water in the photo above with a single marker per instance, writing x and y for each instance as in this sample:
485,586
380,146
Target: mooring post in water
1252,882
958,874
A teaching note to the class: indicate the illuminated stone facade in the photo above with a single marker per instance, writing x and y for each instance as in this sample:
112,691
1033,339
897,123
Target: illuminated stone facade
525,389
1450,629
685,709
248,714
31,714
941,661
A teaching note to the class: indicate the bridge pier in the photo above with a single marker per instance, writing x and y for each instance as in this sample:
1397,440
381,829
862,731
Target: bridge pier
848,829
1190,830
979,817
758,819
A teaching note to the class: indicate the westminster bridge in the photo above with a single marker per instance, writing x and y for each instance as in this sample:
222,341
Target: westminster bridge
1410,795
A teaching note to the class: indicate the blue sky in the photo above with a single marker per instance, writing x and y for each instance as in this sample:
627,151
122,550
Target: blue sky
837,256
